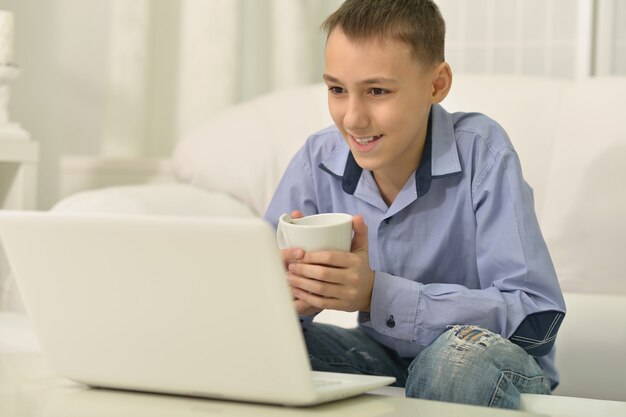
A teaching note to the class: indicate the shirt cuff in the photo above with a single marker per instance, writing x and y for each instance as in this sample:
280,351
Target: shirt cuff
393,311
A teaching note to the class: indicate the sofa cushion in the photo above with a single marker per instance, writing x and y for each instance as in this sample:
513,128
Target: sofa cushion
589,347
159,199
254,141
584,221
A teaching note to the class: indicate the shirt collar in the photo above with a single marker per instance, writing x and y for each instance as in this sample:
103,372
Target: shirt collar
445,156
439,159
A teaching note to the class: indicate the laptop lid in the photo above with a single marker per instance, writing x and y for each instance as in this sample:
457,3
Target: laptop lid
195,306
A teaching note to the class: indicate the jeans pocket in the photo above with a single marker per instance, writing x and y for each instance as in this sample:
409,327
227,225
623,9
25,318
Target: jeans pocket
512,384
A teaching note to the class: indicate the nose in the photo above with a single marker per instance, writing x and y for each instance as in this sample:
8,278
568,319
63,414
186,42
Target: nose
356,116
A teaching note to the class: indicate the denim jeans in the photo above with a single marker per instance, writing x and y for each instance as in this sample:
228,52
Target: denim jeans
466,364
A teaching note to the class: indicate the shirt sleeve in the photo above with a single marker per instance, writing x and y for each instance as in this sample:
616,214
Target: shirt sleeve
519,295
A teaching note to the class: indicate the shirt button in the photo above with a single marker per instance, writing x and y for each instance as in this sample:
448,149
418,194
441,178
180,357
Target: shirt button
391,323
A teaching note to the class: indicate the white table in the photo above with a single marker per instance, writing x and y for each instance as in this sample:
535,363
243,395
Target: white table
28,388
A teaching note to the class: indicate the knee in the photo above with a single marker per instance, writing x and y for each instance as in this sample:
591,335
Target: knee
460,366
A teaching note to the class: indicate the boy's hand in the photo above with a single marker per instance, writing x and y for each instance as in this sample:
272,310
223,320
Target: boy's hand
335,280
291,255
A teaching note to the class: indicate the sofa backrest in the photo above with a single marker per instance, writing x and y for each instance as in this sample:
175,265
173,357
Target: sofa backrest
527,107
569,135
584,221
244,150
256,139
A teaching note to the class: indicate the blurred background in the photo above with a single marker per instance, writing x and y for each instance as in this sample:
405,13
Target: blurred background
107,87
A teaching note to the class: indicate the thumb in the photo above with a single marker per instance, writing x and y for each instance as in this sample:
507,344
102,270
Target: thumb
359,240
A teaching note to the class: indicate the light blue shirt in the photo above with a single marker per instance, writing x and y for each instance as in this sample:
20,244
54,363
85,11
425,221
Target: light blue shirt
460,244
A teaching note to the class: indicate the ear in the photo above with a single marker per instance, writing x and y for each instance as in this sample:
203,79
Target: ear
442,82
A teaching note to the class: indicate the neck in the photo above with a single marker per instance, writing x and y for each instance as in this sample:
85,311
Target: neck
388,190
391,181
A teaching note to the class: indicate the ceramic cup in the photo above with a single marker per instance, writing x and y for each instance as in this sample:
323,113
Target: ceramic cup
319,232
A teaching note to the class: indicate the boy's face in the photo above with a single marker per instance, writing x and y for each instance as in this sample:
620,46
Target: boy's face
379,98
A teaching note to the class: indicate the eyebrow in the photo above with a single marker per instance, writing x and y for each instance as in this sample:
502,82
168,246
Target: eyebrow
375,80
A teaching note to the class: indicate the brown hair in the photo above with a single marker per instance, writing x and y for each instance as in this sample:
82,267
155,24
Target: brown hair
417,23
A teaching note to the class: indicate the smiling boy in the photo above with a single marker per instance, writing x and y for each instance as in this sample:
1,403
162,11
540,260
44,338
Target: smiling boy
456,292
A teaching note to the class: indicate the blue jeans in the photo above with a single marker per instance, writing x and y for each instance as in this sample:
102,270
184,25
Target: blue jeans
466,364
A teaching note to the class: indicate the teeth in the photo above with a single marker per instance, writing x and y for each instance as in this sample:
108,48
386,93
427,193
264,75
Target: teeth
366,139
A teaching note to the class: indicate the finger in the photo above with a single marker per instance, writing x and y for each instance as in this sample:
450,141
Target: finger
359,241
296,214
304,309
316,272
314,300
320,288
297,292
327,258
301,306
292,254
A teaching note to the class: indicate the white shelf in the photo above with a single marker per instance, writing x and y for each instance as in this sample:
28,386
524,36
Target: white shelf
18,173
18,191
18,150
19,158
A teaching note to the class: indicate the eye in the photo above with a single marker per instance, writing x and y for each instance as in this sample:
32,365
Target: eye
336,90
377,92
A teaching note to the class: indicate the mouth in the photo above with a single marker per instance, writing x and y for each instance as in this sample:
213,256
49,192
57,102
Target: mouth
365,143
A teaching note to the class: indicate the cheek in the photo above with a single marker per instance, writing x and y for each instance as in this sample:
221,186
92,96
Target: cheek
336,112
407,114
391,118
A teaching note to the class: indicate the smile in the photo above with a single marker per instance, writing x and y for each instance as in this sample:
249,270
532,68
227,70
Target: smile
364,140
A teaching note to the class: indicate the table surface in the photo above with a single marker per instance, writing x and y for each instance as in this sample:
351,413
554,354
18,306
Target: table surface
29,388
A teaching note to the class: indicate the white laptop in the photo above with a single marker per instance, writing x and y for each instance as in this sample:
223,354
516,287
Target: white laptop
179,305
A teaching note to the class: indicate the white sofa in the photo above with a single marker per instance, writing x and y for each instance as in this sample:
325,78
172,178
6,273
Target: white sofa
571,141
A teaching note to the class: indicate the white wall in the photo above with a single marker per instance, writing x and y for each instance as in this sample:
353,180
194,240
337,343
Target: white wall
537,37
618,40
59,96
70,60
610,37
64,47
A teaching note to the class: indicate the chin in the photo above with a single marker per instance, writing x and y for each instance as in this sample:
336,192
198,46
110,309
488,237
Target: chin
366,163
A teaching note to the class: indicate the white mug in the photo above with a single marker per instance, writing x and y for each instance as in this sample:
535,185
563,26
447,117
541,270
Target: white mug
319,232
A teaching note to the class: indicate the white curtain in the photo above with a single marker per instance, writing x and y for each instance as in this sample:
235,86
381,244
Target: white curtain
217,52
172,64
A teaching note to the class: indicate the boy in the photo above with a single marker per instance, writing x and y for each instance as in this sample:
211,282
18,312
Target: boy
456,292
